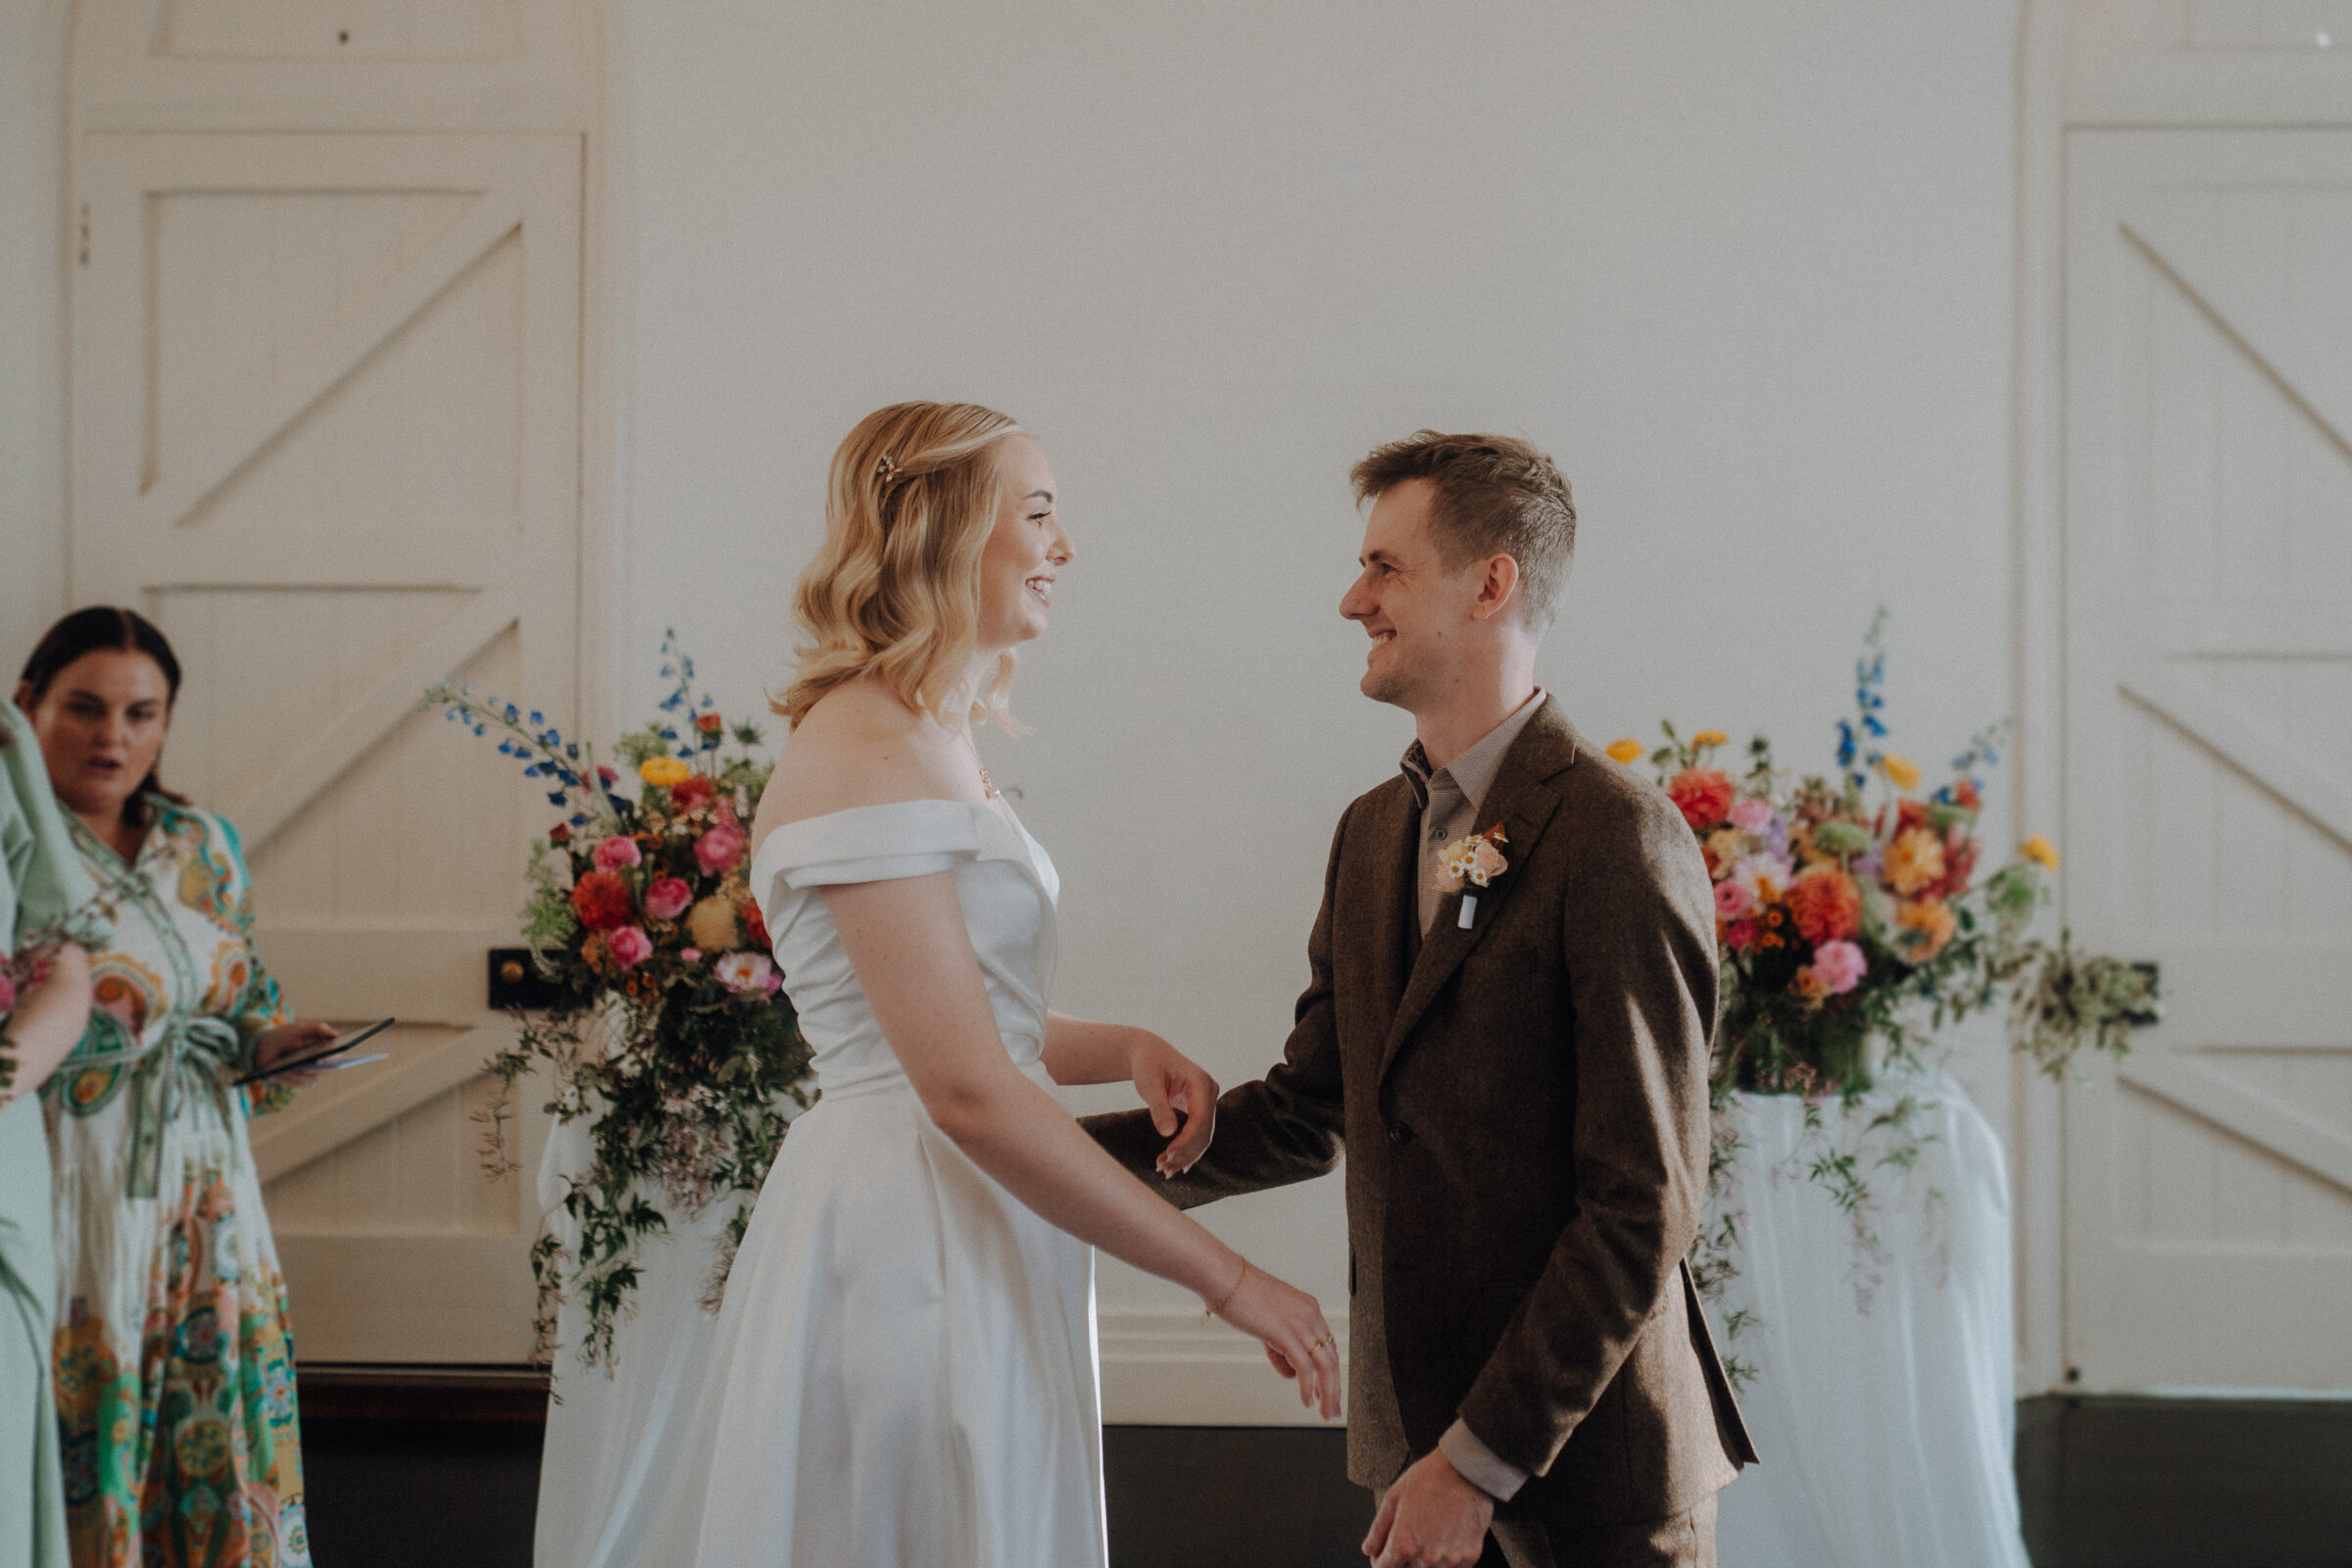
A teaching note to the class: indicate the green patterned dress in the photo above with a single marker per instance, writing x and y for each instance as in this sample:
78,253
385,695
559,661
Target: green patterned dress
44,897
175,1365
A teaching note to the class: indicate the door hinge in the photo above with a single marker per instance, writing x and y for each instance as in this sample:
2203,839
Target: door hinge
82,244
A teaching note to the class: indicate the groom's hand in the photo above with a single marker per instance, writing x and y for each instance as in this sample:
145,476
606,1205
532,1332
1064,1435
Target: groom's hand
1431,1518
1171,1085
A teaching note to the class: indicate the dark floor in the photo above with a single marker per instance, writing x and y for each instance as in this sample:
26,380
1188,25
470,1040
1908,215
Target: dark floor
2106,1483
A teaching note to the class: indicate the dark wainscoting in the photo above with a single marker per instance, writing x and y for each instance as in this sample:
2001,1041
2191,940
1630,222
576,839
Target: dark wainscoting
424,1465
2112,1482
416,1466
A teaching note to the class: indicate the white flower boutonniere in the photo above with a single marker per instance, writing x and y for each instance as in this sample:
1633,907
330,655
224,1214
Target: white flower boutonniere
1472,861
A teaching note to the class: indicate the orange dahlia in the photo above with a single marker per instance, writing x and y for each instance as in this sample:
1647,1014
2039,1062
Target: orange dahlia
603,901
1826,905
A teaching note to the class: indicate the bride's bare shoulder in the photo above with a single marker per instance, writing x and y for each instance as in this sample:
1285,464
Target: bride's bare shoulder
858,746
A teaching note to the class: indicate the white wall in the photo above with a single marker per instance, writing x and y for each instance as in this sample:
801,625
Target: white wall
1745,270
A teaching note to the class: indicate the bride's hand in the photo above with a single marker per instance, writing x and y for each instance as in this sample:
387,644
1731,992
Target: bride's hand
1289,1324
1170,1081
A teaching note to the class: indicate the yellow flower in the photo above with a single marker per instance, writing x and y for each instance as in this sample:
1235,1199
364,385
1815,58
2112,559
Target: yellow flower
662,770
714,923
1927,925
1914,860
1903,771
1627,751
1709,737
2038,850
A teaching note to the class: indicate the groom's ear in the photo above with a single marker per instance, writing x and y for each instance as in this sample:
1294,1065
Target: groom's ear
1498,588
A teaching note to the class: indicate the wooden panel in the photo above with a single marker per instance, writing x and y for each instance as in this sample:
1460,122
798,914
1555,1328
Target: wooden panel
2209,748
327,403
2208,61
351,30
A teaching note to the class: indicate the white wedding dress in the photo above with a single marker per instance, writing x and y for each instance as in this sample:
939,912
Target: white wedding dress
904,1373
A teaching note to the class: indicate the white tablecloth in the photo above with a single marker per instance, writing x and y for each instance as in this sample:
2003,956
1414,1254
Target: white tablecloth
610,1442
1884,1397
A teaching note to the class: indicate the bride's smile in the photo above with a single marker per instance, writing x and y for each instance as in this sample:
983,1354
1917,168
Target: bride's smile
1025,552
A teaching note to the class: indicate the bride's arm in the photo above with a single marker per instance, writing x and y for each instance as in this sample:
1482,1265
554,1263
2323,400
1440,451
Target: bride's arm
905,939
1079,1051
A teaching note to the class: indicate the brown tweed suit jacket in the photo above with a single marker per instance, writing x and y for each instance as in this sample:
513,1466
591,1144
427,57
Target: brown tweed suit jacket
1524,1109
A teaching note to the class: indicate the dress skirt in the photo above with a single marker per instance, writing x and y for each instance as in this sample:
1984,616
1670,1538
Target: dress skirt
906,1369
173,1354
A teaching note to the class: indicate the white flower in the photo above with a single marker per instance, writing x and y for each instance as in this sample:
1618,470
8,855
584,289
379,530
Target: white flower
744,972
1769,874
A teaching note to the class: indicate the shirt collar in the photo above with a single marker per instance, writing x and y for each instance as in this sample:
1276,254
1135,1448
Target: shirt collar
1473,773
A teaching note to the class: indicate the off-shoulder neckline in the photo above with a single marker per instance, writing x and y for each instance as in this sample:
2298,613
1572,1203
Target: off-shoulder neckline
982,807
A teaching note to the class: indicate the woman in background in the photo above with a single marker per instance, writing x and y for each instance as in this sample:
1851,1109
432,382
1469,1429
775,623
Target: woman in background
175,1366
48,914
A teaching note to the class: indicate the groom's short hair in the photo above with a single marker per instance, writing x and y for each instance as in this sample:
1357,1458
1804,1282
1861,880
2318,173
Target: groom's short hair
1495,496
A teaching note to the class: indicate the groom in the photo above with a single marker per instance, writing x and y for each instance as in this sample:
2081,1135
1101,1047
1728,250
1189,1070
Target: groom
1517,1071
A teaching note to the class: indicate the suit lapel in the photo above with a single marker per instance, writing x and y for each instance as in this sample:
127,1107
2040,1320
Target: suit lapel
1386,921
1523,804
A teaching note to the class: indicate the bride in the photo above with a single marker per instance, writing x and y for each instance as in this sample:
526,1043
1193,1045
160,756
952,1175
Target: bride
904,1370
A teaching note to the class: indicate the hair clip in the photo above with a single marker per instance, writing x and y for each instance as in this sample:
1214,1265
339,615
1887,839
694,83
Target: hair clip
885,470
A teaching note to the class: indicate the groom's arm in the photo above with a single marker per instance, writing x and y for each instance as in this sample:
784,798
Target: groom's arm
1640,941
1283,1128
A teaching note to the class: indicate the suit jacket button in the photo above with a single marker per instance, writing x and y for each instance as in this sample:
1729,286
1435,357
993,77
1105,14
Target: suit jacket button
1401,1134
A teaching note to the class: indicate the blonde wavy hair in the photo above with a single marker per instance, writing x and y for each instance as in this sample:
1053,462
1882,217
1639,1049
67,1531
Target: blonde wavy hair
910,503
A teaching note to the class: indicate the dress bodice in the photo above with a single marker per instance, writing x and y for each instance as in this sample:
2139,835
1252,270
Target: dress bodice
1004,879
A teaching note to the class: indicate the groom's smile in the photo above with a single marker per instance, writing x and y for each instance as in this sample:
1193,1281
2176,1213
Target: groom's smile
1401,596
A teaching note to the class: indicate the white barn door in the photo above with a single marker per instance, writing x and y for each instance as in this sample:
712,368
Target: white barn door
2208,754
326,432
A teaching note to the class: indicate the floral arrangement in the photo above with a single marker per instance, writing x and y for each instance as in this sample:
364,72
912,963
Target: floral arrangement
1850,914
666,1030
1848,911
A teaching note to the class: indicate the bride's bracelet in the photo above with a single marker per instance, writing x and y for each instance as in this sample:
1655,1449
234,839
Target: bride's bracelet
1209,1314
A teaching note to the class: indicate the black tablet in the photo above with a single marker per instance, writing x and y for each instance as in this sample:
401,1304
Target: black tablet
317,1053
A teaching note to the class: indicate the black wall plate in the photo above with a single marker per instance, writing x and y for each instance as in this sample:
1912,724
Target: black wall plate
514,981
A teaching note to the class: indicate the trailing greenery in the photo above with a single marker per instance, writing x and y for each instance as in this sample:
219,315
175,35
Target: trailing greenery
665,1027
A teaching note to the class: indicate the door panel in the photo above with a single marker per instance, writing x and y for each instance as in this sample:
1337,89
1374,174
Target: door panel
2209,750
326,434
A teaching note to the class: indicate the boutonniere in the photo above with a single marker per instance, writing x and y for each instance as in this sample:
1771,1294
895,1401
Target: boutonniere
1472,861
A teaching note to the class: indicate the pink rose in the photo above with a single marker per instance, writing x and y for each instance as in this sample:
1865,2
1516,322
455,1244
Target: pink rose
691,954
616,853
667,897
1734,900
1838,968
719,849
745,971
630,946
1751,816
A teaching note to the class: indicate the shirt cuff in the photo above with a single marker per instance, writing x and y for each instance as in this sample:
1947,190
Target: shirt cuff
1479,1464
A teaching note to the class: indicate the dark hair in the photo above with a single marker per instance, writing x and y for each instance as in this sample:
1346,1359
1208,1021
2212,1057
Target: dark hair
1496,496
101,629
